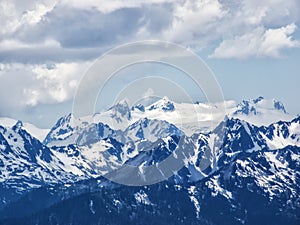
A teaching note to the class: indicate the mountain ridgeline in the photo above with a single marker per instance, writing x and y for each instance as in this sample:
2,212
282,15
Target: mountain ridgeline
244,170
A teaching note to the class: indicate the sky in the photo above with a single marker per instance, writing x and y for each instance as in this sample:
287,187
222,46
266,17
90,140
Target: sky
252,47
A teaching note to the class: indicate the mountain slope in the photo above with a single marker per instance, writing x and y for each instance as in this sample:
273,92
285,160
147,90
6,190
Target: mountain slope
261,187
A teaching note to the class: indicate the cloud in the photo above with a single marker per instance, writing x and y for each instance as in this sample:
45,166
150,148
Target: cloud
79,31
16,14
260,42
46,45
195,21
80,27
30,85
19,52
270,12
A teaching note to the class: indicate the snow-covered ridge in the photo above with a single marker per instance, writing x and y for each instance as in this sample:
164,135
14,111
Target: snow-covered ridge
80,148
260,111
35,131
189,118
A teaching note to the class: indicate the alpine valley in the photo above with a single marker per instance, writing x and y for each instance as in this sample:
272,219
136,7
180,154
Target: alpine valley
251,151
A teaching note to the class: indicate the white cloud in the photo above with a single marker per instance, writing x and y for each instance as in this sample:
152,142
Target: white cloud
207,23
34,16
194,19
9,17
271,11
57,82
15,15
71,33
29,85
98,23
260,42
276,39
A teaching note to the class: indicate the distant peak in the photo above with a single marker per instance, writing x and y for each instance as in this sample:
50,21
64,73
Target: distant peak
255,101
121,109
19,124
122,102
279,106
165,98
246,108
139,106
252,100
146,101
67,118
164,104
258,105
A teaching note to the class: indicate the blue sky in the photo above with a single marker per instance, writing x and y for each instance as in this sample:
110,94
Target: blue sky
252,46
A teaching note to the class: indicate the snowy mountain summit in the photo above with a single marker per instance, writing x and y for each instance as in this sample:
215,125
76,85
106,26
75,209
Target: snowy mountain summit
258,106
164,104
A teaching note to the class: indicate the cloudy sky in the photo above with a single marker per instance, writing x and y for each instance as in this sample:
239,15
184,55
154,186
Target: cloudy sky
252,46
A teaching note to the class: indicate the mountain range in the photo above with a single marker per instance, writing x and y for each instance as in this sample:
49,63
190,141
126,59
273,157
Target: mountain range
239,169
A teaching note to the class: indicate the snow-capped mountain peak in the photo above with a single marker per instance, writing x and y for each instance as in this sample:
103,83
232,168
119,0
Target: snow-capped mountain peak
279,106
63,128
260,111
18,125
258,105
120,110
163,104
260,98
37,132
139,107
